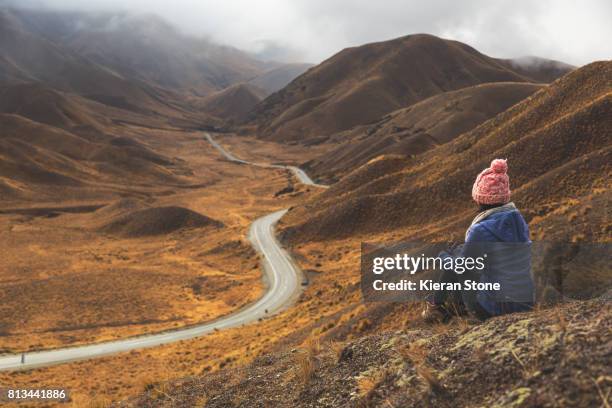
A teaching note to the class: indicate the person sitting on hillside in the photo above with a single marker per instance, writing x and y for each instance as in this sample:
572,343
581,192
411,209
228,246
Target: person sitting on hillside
500,231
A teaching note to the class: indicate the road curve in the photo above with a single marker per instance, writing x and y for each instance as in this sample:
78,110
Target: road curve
297,172
280,273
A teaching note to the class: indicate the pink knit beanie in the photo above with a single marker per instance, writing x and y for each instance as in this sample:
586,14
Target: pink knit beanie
492,185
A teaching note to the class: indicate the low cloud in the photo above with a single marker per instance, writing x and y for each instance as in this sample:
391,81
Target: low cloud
312,30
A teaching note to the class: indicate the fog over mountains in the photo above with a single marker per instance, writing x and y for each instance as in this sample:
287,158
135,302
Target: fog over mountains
311,31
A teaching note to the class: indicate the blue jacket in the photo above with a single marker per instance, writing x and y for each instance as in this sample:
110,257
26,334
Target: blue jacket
508,262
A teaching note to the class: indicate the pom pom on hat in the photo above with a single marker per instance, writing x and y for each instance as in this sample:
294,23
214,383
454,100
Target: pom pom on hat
499,166
492,186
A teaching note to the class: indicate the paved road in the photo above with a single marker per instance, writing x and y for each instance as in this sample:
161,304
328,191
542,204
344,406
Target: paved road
280,273
299,173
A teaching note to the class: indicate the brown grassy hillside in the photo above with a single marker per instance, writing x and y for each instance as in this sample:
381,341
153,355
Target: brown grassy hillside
157,221
143,47
553,358
39,162
540,69
39,60
360,85
233,103
351,353
44,105
419,127
558,147
148,48
277,78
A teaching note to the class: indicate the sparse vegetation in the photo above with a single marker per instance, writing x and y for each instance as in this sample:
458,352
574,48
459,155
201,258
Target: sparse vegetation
304,367
513,360
117,218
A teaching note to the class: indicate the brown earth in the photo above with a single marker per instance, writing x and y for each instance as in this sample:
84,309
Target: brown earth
138,63
360,85
44,105
30,57
139,48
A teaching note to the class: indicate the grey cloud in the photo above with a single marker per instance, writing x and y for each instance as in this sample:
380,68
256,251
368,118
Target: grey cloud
312,30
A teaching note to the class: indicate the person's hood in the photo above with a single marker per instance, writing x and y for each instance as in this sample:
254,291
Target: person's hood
507,225
487,213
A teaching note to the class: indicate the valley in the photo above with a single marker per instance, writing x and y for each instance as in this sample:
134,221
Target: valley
182,223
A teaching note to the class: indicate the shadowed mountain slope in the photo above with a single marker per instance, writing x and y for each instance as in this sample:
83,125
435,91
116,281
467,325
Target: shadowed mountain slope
26,56
419,127
362,84
143,47
40,162
45,105
559,151
157,221
233,103
540,69
277,78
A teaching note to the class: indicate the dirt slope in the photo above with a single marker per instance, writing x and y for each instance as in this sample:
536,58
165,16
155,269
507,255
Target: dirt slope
555,357
558,148
419,127
360,85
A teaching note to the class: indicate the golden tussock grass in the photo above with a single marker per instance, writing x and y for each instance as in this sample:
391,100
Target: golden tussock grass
416,354
336,348
367,385
307,360
304,368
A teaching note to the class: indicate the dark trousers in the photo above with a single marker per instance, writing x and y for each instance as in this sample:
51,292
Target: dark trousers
458,301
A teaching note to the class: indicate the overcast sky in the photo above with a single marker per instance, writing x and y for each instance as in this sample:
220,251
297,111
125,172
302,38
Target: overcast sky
576,32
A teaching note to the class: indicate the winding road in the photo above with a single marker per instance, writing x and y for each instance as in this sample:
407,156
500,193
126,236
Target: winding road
299,173
280,273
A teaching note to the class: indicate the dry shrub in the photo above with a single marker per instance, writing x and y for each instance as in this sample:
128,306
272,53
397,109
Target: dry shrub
414,353
463,324
313,346
98,402
363,325
336,348
157,385
305,368
480,354
428,374
306,361
417,355
563,326
604,396
439,328
529,370
366,386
